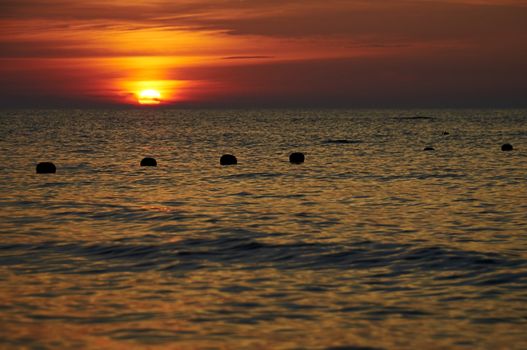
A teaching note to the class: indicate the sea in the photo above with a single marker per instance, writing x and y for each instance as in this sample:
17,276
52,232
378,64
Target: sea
371,243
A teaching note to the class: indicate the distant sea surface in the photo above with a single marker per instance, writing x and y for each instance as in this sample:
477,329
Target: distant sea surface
372,243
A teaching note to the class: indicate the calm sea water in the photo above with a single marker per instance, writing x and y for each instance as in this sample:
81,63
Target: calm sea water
369,244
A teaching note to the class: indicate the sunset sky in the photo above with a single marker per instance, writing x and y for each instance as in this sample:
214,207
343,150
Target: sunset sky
268,53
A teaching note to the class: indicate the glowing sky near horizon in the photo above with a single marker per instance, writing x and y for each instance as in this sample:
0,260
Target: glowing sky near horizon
263,53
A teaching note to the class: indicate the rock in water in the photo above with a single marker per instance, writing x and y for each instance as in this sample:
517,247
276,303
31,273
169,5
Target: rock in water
46,168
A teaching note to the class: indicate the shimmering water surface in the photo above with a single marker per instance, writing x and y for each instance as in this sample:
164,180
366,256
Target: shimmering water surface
372,243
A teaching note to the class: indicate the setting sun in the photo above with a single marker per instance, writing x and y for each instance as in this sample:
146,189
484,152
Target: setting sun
149,92
149,97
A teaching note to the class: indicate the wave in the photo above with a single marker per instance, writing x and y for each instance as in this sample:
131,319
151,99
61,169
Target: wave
396,260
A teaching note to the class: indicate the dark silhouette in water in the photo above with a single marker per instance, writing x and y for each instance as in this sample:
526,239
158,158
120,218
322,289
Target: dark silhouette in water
228,159
296,158
446,133
341,141
417,117
148,162
429,149
46,168
507,147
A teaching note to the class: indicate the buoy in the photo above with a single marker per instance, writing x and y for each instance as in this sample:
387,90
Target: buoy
429,149
507,147
148,162
46,168
296,158
228,159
